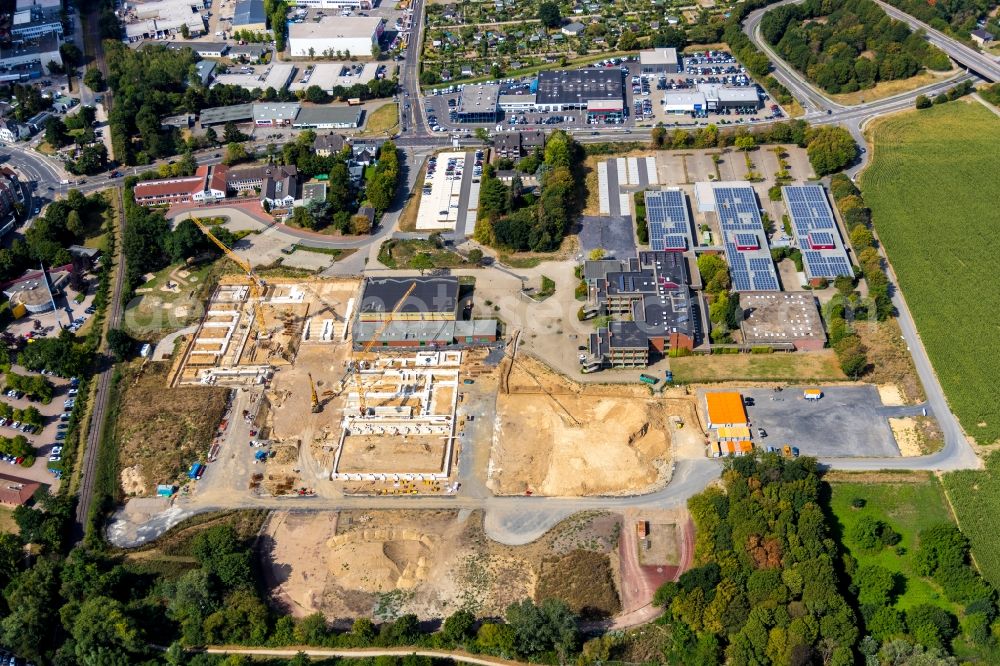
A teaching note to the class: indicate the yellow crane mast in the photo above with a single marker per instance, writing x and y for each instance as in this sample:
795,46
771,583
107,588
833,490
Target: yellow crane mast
257,285
316,407
368,346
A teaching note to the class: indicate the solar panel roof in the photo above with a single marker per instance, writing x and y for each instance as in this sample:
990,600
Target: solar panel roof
751,268
814,227
667,218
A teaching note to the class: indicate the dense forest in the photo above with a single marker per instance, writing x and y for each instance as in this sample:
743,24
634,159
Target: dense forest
513,218
847,46
766,586
958,17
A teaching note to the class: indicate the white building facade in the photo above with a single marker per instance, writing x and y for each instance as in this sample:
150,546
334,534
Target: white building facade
333,34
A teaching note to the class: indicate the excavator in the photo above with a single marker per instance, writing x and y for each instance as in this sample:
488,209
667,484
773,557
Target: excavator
257,285
316,406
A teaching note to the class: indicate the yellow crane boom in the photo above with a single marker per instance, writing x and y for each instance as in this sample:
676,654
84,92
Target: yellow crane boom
368,346
257,285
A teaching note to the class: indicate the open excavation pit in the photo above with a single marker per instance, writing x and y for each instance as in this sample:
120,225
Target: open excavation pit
555,437
399,424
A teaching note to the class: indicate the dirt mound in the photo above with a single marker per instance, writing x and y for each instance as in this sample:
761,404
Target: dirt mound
380,560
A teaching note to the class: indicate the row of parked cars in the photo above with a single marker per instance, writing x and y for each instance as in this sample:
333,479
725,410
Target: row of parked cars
26,428
80,321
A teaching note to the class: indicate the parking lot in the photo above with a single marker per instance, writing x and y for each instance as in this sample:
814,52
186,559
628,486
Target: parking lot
848,421
449,190
48,441
643,98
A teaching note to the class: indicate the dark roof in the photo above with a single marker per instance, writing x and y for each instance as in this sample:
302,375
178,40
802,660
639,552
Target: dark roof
579,86
248,12
432,294
255,50
627,335
984,35
532,138
332,142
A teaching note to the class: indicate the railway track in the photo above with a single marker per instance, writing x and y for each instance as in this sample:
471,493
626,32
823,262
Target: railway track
98,419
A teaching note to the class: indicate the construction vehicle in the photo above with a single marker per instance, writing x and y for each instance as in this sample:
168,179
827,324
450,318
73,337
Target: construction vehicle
316,406
648,379
355,366
257,285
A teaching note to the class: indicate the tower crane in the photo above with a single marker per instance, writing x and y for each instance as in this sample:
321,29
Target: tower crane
368,346
257,285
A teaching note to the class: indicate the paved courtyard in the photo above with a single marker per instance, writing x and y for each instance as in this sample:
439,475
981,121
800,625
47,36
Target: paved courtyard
612,234
849,421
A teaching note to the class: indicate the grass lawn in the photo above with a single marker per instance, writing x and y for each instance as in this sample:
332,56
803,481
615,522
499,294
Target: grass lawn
975,495
383,119
926,183
912,505
800,367
7,523
160,310
399,253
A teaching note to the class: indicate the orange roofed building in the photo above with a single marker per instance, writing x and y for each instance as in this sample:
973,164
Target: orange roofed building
725,410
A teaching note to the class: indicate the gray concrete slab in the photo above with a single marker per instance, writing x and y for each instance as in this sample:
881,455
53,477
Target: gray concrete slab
613,203
612,234
849,421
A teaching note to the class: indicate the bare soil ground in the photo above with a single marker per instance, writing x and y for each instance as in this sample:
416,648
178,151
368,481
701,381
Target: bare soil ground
161,431
890,359
432,563
917,436
377,454
555,437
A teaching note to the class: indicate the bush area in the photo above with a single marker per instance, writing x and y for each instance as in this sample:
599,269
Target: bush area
512,219
766,587
724,306
916,585
947,148
35,387
641,226
991,94
855,46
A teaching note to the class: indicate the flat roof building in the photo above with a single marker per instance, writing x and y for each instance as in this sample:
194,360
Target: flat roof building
35,22
329,75
269,114
328,117
433,299
816,232
782,319
649,297
428,333
40,51
220,115
573,89
725,409
332,34
277,75
477,103
249,15
659,61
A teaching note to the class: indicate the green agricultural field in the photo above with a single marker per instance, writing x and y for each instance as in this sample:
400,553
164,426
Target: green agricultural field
975,495
933,192
908,507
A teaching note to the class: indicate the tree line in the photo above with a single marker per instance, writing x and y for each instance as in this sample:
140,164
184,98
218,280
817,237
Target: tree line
514,219
853,47
829,149
955,17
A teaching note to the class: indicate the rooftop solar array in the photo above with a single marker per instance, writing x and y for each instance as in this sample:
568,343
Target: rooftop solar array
750,265
668,221
814,227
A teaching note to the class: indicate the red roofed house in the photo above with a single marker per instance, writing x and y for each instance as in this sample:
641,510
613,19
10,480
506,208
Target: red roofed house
208,184
15,491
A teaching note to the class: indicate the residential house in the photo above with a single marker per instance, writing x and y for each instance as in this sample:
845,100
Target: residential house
573,29
277,185
982,37
326,145
12,131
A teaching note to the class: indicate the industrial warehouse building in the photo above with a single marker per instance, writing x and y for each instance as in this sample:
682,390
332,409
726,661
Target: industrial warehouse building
432,299
649,298
428,317
784,320
249,15
332,34
478,104
562,90
659,61
711,97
